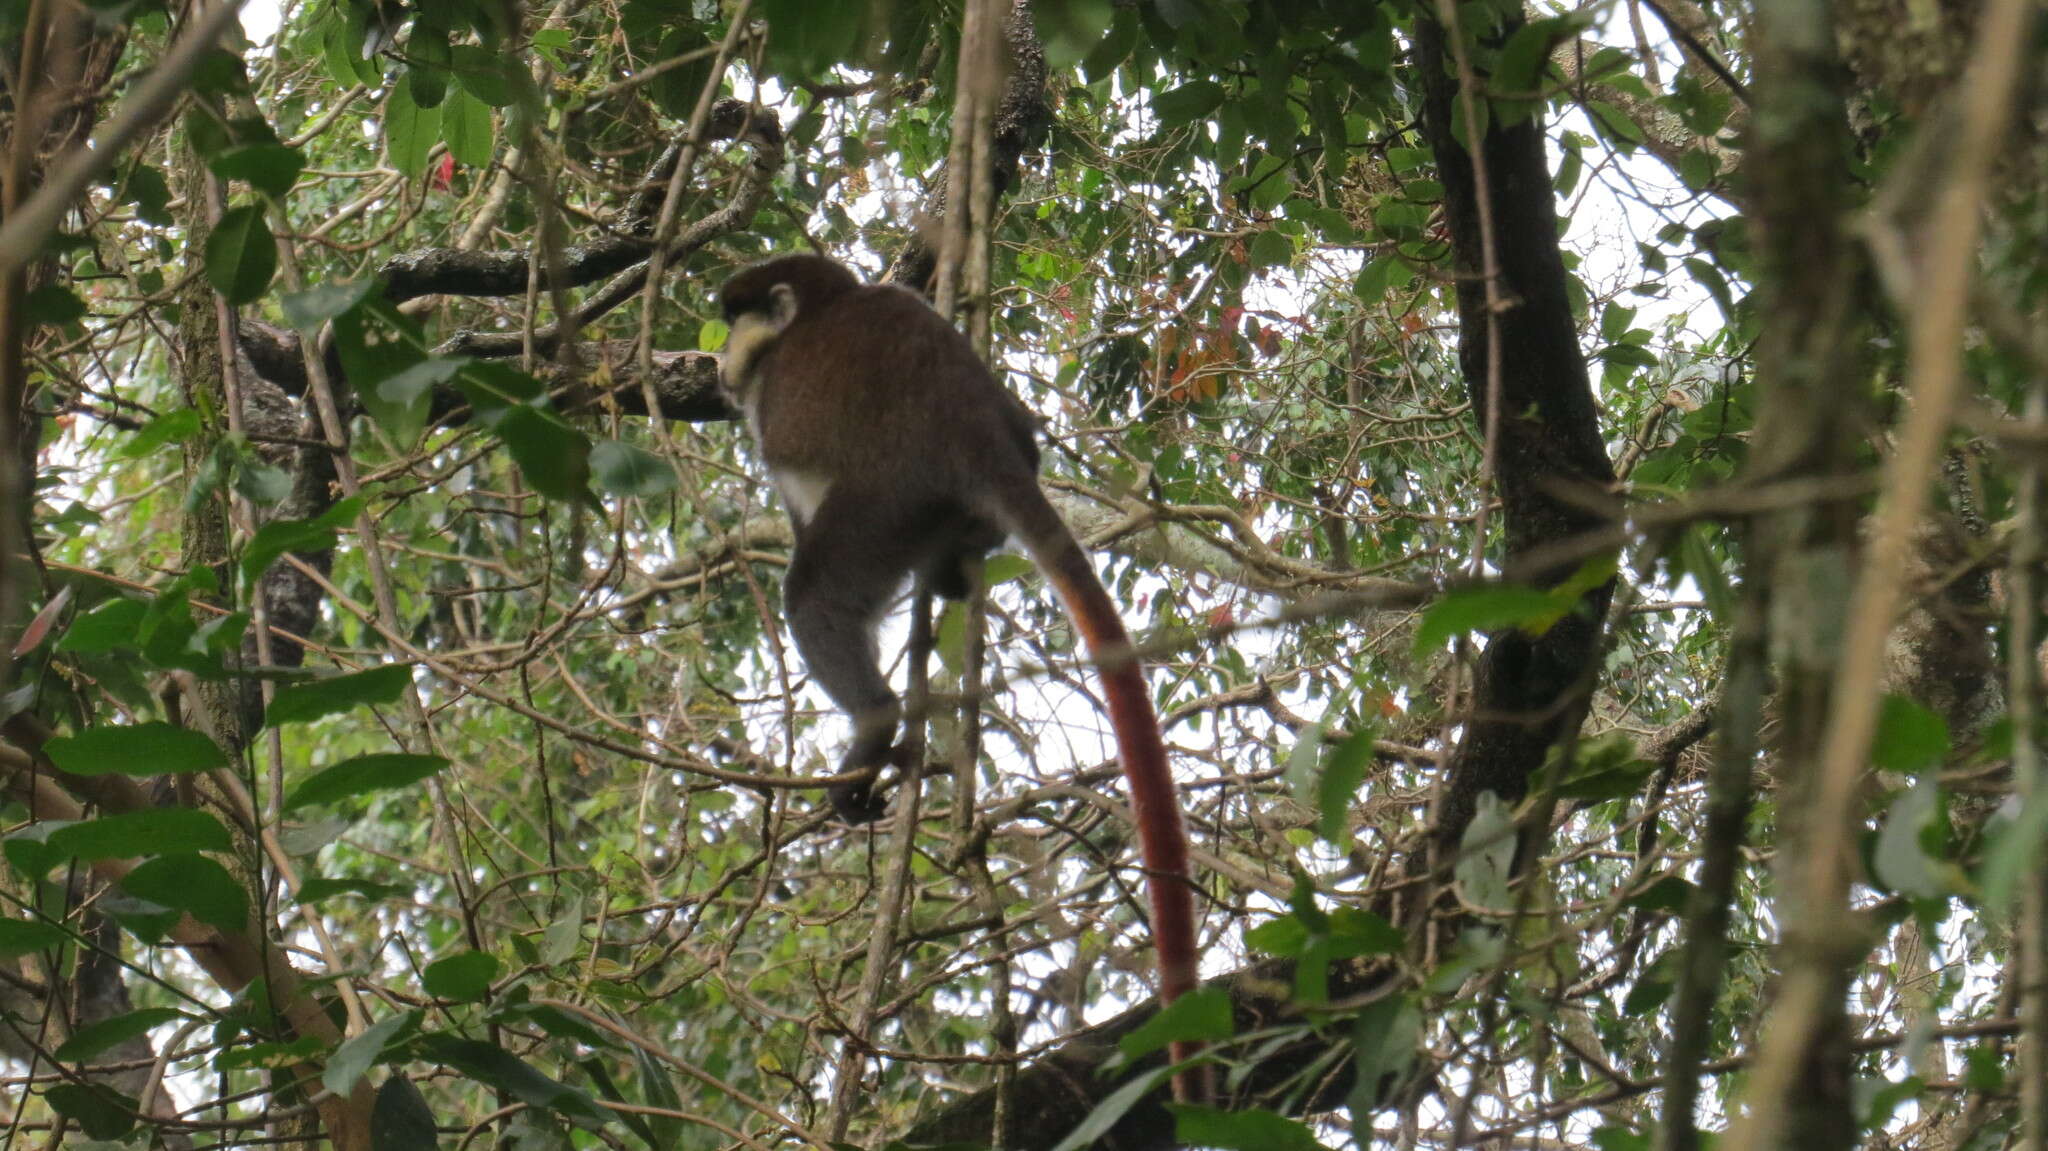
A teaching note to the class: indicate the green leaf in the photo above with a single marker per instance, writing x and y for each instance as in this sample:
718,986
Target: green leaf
1615,123
426,72
485,75
464,977
1270,183
552,42
1196,1125
297,536
149,922
2015,848
1383,1041
156,831
269,1054
410,131
99,1110
1603,767
1654,986
401,1120
495,1067
1697,169
320,303
554,457
564,937
1284,937
271,169
1376,279
1522,60
193,884
1114,48
1670,893
1569,169
1324,939
354,1058
260,483
334,695
1909,738
362,775
1900,860
114,624
1070,28
1271,249
1623,1139
153,748
308,837
1203,1014
807,38
659,1091
555,1023
494,389
1704,109
26,848
150,193
609,1088
1356,932
1328,117
92,1040
19,937
52,304
1615,320
175,426
1486,855
1003,568
1190,101
624,470
1344,769
1400,160
339,44
1628,356
1112,1109
1486,607
466,125
241,255
400,402
675,91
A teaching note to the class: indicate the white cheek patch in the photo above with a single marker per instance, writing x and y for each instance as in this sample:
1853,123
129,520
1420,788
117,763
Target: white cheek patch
804,493
744,347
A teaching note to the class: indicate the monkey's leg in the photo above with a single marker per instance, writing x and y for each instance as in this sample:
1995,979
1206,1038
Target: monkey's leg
961,540
845,569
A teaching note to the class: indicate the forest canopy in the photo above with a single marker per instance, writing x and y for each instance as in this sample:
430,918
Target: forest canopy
1572,475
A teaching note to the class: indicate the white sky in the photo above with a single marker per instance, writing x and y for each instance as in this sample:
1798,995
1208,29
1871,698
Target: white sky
260,19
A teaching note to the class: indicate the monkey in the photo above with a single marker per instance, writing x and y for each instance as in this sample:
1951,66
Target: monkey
898,454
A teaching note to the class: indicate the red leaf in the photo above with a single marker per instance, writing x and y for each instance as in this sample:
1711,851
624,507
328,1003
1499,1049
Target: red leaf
39,627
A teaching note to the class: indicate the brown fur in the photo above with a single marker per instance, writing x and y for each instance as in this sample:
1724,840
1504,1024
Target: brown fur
913,459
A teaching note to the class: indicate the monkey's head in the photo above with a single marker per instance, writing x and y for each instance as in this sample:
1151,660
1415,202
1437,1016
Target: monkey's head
762,300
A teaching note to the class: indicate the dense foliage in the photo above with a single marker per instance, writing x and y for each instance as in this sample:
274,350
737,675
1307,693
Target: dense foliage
401,735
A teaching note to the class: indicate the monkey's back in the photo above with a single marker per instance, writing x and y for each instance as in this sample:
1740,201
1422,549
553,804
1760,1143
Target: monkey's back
876,384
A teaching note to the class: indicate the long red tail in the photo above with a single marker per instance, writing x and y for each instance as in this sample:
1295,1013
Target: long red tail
1162,835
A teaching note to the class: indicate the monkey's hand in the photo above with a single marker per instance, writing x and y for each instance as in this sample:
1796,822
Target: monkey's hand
856,802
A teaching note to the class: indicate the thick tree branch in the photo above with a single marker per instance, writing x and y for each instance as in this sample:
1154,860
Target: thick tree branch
1022,118
466,272
1550,445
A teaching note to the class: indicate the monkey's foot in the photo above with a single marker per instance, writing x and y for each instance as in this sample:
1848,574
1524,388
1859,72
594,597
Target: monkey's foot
857,803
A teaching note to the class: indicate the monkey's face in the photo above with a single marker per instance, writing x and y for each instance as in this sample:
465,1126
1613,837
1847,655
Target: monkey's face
755,326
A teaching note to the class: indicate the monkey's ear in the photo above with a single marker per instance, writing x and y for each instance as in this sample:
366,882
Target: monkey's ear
781,306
